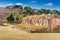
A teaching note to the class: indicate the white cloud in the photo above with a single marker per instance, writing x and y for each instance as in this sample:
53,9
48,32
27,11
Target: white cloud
6,5
9,4
21,4
13,4
18,4
33,1
49,4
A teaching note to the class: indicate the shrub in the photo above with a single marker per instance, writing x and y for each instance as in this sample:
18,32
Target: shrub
10,18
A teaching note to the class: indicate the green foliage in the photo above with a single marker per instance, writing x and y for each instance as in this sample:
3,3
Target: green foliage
15,6
29,11
15,17
55,12
18,6
10,18
18,16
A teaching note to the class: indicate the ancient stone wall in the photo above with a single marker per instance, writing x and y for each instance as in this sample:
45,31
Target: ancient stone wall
47,20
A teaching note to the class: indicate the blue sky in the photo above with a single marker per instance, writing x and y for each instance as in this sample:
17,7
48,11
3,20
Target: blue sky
38,4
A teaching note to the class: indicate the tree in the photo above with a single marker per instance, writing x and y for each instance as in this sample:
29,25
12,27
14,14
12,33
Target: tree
48,11
10,18
19,18
36,11
9,7
42,11
55,12
18,6
27,11
15,6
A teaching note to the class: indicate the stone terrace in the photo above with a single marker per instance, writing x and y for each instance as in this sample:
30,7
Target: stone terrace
5,11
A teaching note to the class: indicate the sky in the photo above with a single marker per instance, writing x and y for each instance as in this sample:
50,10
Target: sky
37,4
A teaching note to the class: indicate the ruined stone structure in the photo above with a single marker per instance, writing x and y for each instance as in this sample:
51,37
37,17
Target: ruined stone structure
5,11
50,22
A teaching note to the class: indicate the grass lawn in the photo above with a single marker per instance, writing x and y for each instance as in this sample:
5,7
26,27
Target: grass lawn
7,33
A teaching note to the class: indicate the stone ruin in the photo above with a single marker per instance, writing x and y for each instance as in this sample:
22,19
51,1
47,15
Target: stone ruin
50,22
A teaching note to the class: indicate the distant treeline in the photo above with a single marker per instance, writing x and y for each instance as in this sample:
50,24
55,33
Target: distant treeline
30,11
25,11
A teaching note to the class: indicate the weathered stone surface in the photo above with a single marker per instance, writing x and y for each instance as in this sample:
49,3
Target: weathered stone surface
47,20
6,11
